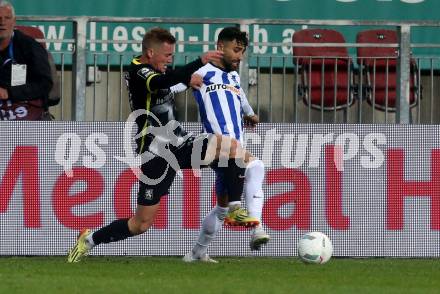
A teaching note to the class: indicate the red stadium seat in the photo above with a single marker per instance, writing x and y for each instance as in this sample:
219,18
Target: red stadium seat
326,76
34,32
379,66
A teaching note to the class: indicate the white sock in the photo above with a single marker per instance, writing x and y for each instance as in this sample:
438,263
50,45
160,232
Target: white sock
234,203
211,224
253,188
89,241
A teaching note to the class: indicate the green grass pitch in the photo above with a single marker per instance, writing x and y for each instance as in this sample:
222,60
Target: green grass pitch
164,275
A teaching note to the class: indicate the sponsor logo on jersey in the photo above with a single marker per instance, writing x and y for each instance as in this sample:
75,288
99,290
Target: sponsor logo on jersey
149,194
144,72
216,87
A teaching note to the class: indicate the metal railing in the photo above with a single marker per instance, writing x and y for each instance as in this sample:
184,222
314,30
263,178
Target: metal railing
272,81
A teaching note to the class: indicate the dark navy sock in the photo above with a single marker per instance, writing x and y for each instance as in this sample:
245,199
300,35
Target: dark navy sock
115,231
234,180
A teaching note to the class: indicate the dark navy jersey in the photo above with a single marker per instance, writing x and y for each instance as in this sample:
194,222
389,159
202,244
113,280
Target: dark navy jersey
150,90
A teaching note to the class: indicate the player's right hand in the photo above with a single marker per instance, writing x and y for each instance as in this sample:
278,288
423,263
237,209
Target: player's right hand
212,56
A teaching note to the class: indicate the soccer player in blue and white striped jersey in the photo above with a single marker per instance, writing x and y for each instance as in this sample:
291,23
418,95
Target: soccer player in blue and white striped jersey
222,102
224,109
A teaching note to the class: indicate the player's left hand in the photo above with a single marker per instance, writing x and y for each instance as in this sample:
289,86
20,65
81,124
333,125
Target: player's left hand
196,81
251,121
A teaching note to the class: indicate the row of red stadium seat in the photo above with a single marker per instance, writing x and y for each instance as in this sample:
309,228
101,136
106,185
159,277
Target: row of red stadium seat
34,32
327,80
326,75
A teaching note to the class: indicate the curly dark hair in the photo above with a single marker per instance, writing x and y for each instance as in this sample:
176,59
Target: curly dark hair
233,33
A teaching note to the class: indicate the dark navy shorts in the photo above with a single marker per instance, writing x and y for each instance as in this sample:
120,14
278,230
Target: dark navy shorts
159,170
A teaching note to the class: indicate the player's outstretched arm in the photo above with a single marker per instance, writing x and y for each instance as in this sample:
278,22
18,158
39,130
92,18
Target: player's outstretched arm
183,74
212,56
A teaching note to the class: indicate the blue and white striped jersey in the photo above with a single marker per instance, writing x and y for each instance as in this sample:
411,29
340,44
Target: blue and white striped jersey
222,102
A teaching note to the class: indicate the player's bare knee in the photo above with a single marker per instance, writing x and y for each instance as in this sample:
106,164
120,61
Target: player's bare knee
138,226
248,157
141,228
212,149
144,226
233,148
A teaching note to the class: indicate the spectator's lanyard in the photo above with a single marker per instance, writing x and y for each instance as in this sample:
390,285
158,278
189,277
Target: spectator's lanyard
11,54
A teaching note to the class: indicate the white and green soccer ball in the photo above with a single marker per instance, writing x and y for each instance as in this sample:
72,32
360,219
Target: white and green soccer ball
315,247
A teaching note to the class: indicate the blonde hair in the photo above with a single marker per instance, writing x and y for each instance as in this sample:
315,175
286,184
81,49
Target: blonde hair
156,36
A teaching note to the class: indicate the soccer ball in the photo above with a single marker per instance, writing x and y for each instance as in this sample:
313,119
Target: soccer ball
315,247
